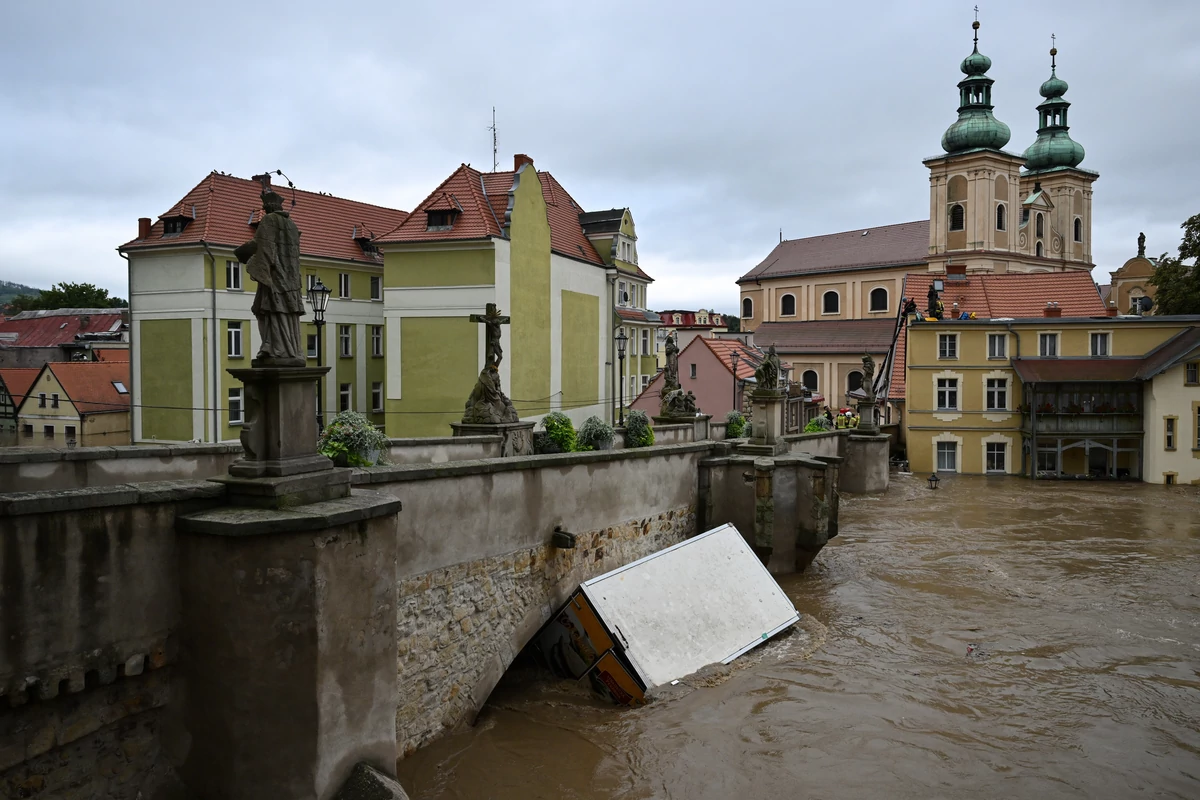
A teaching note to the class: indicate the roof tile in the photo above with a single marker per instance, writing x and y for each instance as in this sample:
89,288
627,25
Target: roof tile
56,327
862,248
827,336
90,384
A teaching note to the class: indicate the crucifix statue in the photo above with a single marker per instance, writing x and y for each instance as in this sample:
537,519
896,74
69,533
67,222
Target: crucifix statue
492,319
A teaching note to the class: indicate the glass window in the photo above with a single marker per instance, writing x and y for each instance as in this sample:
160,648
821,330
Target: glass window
997,394
1047,461
1169,438
311,341
120,387
377,396
646,341
54,400
645,382
41,399
947,394
997,345
1192,372
747,309
235,406
958,217
343,284
830,303
69,432
48,431
344,396
1001,217
1078,229
947,456
996,457
1099,344
622,293
233,275
879,299
947,345
787,305
1048,345
693,371
809,379
312,281
1041,227
345,340
233,338
377,340
376,287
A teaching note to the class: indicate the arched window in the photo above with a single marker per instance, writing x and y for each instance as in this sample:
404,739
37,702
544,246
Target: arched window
854,381
1041,226
809,379
1078,229
958,217
830,303
1039,250
679,318
879,299
747,308
787,305
1001,217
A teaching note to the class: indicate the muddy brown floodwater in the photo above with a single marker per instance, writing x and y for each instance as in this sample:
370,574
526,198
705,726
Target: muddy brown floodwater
997,638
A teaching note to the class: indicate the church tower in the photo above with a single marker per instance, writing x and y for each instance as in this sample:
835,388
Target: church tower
1056,209
975,187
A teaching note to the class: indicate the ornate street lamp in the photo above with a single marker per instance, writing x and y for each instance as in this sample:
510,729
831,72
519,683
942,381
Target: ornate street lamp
934,480
622,340
734,358
318,297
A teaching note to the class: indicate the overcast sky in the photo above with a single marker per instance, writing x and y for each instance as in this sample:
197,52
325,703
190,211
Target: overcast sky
716,123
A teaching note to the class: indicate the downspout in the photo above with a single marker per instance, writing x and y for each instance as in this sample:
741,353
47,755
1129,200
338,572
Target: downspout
612,361
212,274
1032,409
132,385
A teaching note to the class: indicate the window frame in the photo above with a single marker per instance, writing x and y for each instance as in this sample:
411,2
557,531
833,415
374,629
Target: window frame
235,398
947,338
887,300
345,397
1077,230
944,393
850,375
312,345
377,288
343,285
41,399
69,432
1002,338
47,431
1047,336
1001,217
376,341
1191,373
233,276
233,335
377,396
950,450
1170,433
816,387
345,341
645,341
1093,337
692,372
1039,226
837,298
622,292
54,399
992,450
747,301
783,307
961,220
993,389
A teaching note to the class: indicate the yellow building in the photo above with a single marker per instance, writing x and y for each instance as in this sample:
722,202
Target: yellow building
1131,281
1072,392
84,402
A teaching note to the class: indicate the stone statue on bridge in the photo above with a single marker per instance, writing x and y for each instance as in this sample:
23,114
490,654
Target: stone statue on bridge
272,259
766,376
868,384
488,405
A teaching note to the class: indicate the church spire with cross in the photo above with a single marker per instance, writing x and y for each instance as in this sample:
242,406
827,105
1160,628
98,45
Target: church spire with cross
1054,147
976,127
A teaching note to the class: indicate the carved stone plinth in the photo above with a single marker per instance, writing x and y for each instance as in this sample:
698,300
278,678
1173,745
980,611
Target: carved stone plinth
768,423
868,418
518,436
279,434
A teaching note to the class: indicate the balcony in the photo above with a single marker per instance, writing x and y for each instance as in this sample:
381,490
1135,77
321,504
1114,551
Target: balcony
1082,423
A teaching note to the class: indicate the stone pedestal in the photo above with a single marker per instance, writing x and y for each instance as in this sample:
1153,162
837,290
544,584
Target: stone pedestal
767,424
868,418
865,470
518,436
279,434
288,628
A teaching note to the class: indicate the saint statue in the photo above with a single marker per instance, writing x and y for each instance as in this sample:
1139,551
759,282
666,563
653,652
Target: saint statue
671,373
1141,245
272,259
767,375
868,381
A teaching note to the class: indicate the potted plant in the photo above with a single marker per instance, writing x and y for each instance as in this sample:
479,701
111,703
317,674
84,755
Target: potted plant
352,440
595,434
559,435
735,425
1046,408
638,432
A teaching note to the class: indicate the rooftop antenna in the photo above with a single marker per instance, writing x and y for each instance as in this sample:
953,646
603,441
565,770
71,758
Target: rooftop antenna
495,150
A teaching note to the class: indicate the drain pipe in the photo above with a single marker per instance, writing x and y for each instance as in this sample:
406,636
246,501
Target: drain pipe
212,273
133,407
1032,410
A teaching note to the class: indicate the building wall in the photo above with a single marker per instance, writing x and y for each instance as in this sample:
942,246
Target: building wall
713,384
1168,395
576,345
853,288
580,371
529,234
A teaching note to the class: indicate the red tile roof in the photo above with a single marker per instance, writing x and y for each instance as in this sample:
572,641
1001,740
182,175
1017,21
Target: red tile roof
638,315
484,201
111,354
56,327
224,206
17,381
1074,370
827,336
862,248
895,390
748,357
89,384
1013,294
687,319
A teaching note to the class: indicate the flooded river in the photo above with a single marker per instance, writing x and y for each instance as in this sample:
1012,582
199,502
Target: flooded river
997,638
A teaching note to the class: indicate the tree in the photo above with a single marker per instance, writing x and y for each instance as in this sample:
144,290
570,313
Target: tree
1177,283
67,295
732,323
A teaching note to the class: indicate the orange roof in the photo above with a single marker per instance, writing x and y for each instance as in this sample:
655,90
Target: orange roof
90,385
111,354
17,381
222,207
55,327
748,357
483,198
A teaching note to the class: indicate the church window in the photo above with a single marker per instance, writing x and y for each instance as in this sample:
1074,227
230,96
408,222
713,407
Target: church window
879,299
854,381
809,379
1024,216
830,303
1041,226
747,308
958,217
1078,229
1001,217
787,305
1040,250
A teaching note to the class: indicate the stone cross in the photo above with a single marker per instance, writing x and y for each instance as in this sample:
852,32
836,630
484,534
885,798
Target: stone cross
492,319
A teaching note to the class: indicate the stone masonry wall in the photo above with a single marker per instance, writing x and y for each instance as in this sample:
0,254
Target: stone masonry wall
460,627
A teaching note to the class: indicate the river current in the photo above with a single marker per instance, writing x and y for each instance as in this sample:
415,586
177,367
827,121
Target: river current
995,638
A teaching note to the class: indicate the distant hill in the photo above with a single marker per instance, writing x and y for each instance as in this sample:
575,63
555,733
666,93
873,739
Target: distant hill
9,290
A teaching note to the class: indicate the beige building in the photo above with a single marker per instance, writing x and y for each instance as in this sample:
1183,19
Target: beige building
1131,282
1172,399
85,402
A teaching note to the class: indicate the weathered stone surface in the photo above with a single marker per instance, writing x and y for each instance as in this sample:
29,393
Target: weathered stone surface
360,506
368,783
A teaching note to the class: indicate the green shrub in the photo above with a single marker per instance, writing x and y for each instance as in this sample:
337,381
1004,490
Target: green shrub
735,425
638,432
594,434
352,438
560,430
818,425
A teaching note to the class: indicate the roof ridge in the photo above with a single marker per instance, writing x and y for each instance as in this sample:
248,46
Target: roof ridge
309,192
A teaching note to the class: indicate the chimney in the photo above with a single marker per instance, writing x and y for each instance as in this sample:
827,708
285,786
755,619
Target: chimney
144,227
1052,310
519,160
1111,311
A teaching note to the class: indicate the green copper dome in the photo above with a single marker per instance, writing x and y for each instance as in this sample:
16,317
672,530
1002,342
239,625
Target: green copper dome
1054,147
976,127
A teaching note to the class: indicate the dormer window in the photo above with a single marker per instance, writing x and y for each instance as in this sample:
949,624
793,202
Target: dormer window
440,220
174,226
362,237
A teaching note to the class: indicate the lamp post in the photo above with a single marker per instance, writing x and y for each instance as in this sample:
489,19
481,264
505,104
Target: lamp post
734,358
622,339
318,296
